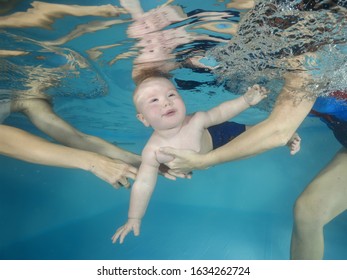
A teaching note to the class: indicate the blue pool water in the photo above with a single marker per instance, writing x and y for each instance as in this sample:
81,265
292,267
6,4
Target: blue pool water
238,210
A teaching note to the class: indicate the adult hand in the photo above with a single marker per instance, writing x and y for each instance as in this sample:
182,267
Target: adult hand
171,174
114,172
184,160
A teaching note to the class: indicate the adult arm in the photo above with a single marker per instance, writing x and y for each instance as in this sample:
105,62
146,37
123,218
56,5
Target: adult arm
290,110
24,146
44,14
40,113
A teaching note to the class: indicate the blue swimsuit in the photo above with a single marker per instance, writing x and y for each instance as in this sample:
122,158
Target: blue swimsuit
333,111
225,132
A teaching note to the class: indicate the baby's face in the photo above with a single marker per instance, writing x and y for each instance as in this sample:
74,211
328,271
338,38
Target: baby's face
159,104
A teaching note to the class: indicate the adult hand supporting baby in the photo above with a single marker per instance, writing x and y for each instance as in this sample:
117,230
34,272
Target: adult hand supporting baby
184,160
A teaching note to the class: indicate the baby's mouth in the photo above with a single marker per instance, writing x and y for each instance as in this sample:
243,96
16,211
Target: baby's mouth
169,113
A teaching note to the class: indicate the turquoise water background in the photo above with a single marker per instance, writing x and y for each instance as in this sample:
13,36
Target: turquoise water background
238,210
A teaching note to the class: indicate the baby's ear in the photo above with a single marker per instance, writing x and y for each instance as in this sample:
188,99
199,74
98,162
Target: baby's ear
142,119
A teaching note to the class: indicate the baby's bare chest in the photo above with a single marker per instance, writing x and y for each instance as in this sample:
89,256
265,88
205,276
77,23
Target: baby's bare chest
187,140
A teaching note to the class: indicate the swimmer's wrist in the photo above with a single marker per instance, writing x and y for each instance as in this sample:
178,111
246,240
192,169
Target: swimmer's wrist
211,159
204,161
88,161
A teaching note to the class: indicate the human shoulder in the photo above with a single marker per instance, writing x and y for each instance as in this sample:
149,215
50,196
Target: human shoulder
197,117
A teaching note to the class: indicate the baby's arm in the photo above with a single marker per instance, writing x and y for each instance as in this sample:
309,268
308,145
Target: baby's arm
140,195
231,108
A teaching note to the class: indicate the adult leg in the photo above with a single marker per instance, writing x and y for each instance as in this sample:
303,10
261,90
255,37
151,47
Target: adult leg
323,200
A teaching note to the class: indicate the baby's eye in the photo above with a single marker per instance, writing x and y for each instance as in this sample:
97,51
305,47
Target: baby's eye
153,100
171,94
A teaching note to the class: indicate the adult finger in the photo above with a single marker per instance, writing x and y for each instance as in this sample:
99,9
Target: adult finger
167,175
180,174
130,174
116,185
132,169
123,181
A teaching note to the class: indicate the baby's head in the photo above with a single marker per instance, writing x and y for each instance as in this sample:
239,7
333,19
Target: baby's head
158,103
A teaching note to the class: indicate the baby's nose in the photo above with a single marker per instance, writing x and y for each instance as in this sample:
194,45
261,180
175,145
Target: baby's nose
167,102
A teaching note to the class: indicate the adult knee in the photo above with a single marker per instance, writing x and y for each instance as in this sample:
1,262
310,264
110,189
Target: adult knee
307,212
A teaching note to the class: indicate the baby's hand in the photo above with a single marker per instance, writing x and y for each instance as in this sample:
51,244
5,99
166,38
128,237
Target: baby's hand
122,232
294,144
255,94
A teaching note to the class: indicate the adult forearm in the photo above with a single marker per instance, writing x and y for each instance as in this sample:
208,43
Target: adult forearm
57,128
100,146
94,144
115,152
255,140
274,132
27,147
